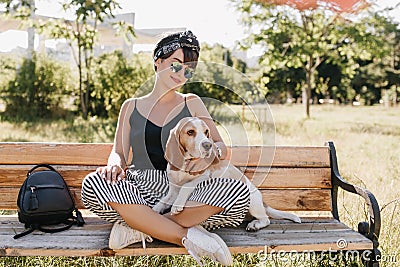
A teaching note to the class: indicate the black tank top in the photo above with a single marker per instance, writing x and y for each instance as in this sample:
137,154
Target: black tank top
148,140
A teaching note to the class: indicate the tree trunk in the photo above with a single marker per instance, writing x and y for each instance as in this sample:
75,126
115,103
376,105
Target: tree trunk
82,95
306,93
31,42
87,93
306,100
88,65
31,33
81,91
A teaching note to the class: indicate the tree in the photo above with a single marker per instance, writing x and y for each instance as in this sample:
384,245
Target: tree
283,84
390,32
81,34
377,77
117,79
217,75
38,84
300,35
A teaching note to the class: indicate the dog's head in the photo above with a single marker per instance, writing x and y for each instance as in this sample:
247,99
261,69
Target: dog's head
190,140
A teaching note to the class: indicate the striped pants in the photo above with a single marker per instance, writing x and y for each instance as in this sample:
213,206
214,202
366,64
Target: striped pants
147,187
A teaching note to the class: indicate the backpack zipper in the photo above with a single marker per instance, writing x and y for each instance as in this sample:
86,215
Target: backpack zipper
33,201
43,186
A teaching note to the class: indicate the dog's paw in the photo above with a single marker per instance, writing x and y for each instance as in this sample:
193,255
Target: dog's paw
256,225
176,209
160,207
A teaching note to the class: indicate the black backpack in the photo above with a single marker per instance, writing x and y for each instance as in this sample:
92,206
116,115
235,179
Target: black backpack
45,199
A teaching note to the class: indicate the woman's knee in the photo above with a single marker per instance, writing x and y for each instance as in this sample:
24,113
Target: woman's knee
88,194
87,182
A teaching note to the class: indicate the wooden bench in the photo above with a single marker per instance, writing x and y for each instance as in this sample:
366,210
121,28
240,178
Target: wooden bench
293,178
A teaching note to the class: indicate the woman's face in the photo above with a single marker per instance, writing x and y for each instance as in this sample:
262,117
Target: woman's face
171,71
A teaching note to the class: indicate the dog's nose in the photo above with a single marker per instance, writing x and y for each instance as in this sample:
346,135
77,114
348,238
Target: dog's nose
206,145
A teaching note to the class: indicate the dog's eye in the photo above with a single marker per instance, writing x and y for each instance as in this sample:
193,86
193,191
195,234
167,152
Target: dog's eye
207,133
190,132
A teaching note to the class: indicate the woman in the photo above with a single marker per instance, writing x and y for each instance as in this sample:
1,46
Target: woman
125,195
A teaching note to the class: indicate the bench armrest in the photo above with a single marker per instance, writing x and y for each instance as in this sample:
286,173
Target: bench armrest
373,207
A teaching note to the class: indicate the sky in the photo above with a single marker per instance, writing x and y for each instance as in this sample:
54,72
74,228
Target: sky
213,21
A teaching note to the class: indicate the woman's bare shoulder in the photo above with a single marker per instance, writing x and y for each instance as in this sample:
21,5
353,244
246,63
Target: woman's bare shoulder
128,105
196,105
191,96
132,101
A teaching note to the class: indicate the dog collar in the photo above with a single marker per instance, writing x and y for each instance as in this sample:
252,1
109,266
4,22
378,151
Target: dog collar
184,168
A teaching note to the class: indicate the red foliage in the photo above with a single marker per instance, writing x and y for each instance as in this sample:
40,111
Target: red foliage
339,6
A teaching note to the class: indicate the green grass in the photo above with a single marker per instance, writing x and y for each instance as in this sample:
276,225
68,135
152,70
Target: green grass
367,141
93,130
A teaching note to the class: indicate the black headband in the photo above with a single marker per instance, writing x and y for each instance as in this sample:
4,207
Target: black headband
184,39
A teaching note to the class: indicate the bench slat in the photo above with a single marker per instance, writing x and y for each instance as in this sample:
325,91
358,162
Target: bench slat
97,154
263,177
298,199
280,156
290,200
317,234
15,175
67,153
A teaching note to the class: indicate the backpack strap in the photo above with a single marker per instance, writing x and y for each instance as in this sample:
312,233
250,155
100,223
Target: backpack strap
78,220
27,232
55,230
69,224
41,166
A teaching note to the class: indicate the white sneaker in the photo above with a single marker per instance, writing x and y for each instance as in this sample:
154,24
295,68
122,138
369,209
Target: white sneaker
199,242
122,236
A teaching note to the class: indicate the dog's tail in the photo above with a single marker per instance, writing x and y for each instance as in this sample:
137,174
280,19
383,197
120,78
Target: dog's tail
278,214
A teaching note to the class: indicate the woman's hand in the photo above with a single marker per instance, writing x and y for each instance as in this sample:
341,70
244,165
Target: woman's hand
111,173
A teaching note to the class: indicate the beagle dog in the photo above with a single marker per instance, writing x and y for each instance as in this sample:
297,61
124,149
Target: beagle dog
192,158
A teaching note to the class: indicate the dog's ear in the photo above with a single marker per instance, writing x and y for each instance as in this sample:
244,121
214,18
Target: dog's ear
174,150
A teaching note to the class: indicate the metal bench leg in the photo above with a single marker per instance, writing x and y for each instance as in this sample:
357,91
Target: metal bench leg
373,258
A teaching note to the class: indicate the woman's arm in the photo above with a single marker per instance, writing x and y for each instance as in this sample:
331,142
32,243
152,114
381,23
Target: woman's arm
117,160
120,152
198,109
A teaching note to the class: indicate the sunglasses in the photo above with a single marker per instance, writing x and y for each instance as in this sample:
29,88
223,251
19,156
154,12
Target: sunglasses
177,67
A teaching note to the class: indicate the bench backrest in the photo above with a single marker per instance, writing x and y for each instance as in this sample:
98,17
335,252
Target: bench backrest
290,178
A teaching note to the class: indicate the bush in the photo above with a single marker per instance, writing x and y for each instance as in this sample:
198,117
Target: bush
117,79
36,90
